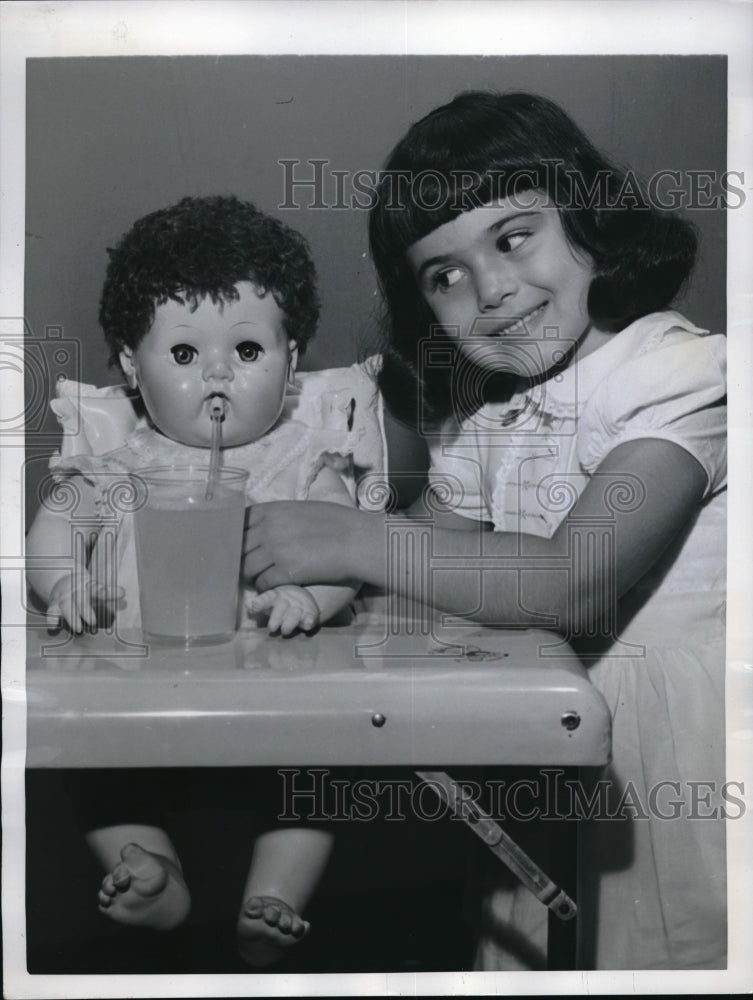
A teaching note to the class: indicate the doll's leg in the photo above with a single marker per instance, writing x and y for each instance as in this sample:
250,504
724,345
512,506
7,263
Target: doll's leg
144,885
286,867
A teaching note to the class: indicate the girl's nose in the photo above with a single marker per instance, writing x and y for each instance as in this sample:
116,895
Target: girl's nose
494,283
217,367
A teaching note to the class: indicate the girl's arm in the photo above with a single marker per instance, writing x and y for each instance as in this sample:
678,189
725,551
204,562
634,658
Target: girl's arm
560,582
331,600
57,560
290,606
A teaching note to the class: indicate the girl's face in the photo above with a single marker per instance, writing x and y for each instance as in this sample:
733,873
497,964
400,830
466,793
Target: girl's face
506,282
236,351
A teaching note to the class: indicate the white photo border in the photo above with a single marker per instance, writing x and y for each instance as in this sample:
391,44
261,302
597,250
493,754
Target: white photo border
381,27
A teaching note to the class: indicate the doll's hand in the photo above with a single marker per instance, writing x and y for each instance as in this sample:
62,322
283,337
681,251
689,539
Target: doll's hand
289,608
81,603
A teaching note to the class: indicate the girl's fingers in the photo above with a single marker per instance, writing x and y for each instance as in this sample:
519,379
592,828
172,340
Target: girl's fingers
269,578
255,565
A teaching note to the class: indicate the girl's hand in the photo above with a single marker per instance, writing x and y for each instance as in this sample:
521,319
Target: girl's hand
310,542
289,608
81,603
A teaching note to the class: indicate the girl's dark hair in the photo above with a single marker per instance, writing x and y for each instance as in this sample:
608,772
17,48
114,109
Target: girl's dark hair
205,247
483,146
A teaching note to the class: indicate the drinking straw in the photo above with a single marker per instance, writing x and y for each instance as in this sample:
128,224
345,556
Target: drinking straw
217,413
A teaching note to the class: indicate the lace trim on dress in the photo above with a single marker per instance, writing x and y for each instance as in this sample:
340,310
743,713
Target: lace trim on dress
288,444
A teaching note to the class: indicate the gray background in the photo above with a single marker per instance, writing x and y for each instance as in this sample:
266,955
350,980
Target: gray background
110,139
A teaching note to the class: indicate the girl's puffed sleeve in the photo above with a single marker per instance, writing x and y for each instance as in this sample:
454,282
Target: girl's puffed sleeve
676,392
456,473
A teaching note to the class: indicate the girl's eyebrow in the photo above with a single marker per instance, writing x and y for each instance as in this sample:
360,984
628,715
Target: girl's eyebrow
490,230
515,217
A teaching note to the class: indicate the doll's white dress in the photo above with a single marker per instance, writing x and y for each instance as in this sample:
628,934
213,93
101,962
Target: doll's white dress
652,884
282,465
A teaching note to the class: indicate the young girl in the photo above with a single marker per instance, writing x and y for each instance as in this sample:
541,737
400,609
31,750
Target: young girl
577,437
207,300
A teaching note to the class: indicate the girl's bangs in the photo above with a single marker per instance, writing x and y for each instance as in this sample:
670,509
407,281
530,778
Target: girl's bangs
413,205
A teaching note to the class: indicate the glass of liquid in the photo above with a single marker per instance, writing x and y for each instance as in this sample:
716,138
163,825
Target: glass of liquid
188,548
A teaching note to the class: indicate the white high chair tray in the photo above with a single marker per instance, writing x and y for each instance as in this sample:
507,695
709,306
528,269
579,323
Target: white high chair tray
345,696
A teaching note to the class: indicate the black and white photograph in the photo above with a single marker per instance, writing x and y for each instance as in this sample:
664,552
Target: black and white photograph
375,457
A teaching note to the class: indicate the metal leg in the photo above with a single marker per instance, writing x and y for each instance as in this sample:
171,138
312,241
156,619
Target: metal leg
561,906
561,953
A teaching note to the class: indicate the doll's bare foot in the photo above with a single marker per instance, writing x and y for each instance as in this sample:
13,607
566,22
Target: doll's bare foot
145,890
266,927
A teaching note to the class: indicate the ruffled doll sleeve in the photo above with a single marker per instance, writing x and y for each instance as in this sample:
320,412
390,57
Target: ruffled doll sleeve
94,420
108,475
346,406
675,392
327,447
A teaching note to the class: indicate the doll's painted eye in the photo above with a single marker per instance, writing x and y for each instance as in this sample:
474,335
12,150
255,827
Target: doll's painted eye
249,350
183,354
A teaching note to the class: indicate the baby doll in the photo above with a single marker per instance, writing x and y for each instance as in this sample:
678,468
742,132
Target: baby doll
209,300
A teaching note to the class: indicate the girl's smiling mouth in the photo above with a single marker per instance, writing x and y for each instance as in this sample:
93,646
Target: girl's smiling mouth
514,327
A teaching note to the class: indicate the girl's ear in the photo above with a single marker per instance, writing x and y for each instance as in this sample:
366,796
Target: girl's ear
129,368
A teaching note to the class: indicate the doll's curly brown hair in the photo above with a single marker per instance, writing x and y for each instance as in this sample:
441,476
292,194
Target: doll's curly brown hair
203,247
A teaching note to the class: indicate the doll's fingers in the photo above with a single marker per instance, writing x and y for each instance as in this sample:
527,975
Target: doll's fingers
68,614
290,623
262,602
107,595
296,618
277,615
82,613
309,621
87,611
54,616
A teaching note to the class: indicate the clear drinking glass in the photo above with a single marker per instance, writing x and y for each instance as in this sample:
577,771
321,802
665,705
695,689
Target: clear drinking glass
188,549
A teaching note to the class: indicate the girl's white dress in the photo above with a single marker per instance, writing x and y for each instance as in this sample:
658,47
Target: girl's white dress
652,878
282,465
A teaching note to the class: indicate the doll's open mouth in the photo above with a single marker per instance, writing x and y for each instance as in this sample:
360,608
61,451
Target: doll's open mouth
217,402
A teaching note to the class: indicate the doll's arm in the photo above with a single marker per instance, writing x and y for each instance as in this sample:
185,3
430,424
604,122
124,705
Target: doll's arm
57,566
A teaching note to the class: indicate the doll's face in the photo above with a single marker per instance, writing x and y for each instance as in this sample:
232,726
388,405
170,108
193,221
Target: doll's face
235,351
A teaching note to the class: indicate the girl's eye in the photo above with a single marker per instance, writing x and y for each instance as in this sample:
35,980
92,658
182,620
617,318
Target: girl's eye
183,354
511,241
249,351
444,280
